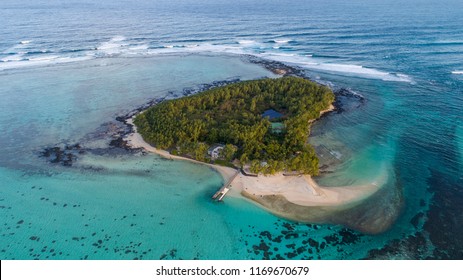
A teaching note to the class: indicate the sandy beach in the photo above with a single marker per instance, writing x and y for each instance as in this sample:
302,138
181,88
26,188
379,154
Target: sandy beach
135,140
370,208
302,190
298,190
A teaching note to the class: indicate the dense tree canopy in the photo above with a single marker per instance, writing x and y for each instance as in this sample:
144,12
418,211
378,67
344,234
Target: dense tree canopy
232,115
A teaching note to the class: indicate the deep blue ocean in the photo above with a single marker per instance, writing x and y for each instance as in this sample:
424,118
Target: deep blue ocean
69,68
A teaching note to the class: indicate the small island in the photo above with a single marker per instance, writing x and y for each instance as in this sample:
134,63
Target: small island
255,134
261,126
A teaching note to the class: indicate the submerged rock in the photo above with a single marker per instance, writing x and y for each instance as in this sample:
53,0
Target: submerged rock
62,155
347,100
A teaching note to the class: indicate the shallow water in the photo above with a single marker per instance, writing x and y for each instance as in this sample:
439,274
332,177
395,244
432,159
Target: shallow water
64,82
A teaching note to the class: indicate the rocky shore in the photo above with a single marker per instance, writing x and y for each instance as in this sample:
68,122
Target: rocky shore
321,205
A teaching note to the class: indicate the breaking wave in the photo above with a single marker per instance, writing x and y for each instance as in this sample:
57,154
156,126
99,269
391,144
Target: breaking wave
24,54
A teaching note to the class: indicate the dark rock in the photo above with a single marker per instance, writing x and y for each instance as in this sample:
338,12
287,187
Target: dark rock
288,226
266,234
416,219
261,247
444,221
276,67
291,255
291,235
278,239
64,156
291,246
349,236
443,225
347,100
173,252
313,243
120,143
300,250
410,248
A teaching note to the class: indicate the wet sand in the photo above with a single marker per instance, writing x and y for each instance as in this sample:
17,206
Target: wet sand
297,198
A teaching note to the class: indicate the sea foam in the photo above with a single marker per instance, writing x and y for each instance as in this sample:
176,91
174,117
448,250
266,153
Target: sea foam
40,62
346,69
246,42
282,41
121,46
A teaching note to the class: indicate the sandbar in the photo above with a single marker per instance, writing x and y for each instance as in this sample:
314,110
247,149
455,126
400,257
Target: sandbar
299,198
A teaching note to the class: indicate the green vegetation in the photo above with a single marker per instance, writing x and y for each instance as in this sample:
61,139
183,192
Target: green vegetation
232,115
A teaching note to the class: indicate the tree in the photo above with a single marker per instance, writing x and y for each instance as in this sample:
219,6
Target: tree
233,115
228,152
200,151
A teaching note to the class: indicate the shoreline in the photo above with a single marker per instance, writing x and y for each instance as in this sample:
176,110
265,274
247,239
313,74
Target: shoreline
296,198
136,141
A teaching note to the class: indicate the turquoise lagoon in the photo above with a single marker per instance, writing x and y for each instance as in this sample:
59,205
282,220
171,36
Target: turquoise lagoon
118,205
67,70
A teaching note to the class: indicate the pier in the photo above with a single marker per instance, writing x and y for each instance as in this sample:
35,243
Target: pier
220,194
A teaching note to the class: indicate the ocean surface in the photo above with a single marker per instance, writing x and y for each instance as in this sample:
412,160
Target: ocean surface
68,69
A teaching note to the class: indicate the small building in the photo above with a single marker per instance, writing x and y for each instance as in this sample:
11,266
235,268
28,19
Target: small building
214,151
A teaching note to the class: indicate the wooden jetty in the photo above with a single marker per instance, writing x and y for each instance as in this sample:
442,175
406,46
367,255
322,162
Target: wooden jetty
220,194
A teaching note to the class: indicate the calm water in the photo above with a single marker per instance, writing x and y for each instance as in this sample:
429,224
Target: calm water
68,69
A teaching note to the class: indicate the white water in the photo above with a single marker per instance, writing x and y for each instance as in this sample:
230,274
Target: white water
120,46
